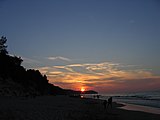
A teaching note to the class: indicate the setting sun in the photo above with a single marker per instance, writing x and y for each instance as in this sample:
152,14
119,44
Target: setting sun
82,89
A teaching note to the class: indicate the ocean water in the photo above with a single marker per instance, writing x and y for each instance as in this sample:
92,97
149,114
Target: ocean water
151,99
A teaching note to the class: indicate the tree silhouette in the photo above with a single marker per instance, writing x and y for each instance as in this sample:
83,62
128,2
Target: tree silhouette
3,47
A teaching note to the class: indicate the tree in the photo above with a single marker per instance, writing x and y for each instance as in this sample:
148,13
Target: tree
3,47
17,60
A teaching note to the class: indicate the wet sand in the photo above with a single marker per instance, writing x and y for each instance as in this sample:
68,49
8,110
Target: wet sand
65,108
140,108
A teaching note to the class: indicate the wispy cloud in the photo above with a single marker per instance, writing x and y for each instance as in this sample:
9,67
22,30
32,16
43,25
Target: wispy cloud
59,58
75,65
29,60
104,76
26,60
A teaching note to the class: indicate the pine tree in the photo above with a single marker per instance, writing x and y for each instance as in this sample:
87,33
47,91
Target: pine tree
3,47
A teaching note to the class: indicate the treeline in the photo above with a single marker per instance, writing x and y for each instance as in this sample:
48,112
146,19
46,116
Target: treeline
17,80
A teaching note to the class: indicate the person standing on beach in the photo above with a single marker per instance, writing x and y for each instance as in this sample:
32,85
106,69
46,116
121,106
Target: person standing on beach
109,102
105,104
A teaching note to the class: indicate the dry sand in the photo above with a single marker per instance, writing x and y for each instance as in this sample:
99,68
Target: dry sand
64,108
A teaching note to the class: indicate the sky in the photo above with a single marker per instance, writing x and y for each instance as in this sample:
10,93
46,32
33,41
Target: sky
106,45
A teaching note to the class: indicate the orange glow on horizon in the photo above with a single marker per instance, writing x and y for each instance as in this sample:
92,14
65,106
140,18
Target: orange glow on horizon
105,77
82,89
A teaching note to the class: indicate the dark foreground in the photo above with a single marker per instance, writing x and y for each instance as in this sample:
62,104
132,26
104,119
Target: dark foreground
65,108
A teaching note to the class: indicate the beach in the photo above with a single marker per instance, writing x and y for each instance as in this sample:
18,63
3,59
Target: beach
65,108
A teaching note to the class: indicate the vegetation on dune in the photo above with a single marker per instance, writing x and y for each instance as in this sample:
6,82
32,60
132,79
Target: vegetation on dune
17,80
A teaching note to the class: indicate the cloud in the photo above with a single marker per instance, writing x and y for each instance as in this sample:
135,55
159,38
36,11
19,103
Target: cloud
29,60
64,68
44,70
75,65
31,63
59,58
105,76
66,85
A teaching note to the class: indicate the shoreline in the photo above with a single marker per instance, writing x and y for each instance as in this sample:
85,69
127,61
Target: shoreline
135,107
66,108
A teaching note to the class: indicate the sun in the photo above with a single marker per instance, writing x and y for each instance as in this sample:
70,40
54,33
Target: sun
82,89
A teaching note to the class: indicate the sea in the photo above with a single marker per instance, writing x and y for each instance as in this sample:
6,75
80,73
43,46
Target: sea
151,99
139,100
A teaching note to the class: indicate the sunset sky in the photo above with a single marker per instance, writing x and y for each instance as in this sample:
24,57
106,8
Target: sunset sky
104,45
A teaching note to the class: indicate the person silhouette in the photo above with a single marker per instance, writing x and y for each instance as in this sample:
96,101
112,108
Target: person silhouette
109,102
98,96
105,104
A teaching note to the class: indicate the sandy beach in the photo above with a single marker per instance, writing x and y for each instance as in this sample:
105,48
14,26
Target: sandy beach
65,108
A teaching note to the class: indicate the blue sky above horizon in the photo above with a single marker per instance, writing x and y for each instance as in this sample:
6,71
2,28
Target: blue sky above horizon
86,39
